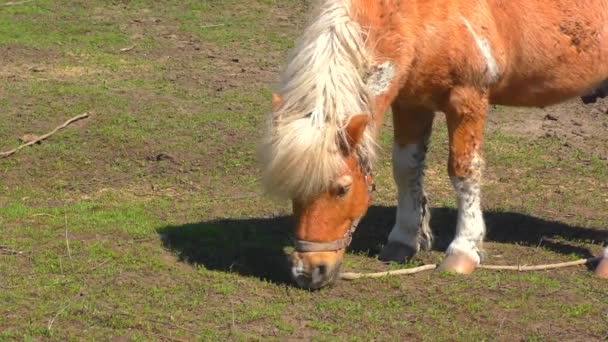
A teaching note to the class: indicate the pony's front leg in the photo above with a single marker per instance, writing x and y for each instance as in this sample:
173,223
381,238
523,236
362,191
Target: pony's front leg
411,231
465,113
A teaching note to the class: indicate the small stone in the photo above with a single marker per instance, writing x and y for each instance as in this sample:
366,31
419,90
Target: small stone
550,117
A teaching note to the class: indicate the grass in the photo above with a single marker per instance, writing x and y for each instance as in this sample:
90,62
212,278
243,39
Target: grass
157,196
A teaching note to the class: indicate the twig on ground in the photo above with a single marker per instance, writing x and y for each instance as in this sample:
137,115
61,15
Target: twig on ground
43,214
233,323
354,275
105,181
520,268
13,3
52,320
236,197
42,137
144,240
78,297
96,266
211,25
7,251
126,49
67,239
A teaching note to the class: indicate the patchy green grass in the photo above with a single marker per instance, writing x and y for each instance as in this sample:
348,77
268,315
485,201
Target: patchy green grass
145,221
59,26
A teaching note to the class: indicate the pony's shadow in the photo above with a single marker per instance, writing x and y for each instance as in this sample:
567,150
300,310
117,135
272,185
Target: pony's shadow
255,247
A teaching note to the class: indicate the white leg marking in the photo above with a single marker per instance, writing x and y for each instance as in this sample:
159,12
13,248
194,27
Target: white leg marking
470,228
606,252
486,51
412,221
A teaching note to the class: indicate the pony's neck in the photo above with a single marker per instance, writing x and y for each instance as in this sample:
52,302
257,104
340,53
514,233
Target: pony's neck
391,40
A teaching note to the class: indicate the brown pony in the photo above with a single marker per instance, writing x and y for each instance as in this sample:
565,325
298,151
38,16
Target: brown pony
358,57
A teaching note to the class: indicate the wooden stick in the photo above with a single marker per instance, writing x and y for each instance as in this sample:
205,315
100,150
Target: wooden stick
8,251
79,297
67,239
43,214
127,49
42,137
13,3
429,267
521,268
353,275
211,25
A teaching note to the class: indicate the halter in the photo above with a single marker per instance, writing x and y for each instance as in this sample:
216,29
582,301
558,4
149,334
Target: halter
308,246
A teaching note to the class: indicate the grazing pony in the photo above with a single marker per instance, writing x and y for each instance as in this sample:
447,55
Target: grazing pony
358,57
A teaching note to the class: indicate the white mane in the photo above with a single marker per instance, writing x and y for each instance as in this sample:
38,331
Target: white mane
322,87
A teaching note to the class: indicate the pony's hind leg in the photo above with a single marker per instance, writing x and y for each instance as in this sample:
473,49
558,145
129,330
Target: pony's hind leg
600,92
411,231
602,268
465,113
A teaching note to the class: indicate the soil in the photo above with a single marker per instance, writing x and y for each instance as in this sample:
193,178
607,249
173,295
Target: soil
584,127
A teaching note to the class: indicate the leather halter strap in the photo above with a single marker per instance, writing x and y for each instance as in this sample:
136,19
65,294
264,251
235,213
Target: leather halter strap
309,246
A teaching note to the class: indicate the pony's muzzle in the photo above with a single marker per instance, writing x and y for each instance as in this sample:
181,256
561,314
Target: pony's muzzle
314,270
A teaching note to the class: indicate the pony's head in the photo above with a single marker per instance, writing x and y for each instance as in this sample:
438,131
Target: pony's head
319,146
330,190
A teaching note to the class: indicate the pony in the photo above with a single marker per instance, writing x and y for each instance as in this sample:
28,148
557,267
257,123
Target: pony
357,58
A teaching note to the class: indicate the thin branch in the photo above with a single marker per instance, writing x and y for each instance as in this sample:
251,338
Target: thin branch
42,214
520,268
144,240
233,324
236,197
96,266
49,327
211,25
67,239
354,275
42,137
7,251
106,181
13,3
79,297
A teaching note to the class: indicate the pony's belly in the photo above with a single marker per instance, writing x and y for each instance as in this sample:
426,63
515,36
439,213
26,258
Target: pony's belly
541,93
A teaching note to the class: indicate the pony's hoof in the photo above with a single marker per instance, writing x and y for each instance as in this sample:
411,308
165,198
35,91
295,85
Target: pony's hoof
397,252
602,268
458,263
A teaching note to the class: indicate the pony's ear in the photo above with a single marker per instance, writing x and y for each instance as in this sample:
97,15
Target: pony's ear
356,129
277,101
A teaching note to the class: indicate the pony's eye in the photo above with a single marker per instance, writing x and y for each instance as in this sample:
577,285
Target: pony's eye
341,190
342,185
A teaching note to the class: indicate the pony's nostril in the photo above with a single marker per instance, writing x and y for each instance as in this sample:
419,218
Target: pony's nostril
322,270
319,275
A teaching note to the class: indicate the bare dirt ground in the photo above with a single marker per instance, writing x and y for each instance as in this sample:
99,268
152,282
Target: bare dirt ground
574,123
